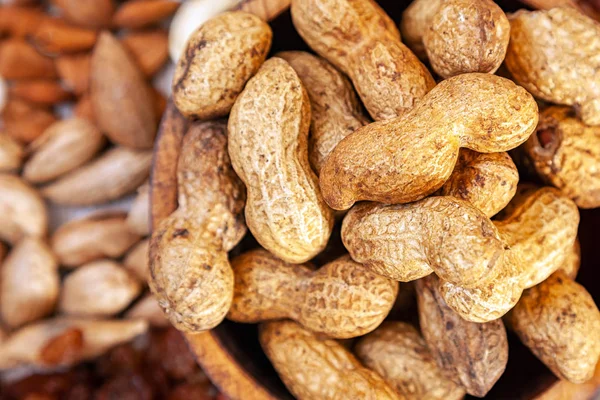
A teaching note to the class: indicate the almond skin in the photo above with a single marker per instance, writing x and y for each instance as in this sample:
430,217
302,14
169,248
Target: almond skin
138,14
24,121
20,60
121,98
74,71
40,91
150,49
64,146
56,36
19,21
88,13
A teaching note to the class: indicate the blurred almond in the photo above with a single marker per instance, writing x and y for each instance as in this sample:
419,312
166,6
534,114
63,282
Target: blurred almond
3,93
11,154
147,309
138,218
88,13
3,252
137,260
24,121
74,71
64,348
83,109
100,236
40,91
140,13
117,172
150,49
160,103
100,288
28,346
20,60
55,36
64,146
121,98
22,210
23,3
29,283
19,21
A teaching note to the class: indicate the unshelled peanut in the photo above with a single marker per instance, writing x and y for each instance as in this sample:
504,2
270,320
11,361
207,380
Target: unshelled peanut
409,241
414,155
190,274
340,299
319,368
473,355
560,323
268,142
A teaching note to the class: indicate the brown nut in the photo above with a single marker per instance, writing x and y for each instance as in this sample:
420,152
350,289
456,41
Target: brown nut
11,154
363,42
190,274
98,236
565,153
56,36
20,60
137,261
461,36
560,323
316,368
63,147
472,355
22,209
409,241
552,54
267,288
25,122
398,353
89,13
137,14
100,288
18,21
45,92
540,230
121,98
487,181
113,174
29,345
29,283
74,71
149,48
268,141
415,154
219,59
147,309
138,219
336,111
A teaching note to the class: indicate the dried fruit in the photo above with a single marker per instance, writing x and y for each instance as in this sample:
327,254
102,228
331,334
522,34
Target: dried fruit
268,140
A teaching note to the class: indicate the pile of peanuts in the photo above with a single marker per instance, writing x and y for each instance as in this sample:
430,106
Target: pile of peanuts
404,141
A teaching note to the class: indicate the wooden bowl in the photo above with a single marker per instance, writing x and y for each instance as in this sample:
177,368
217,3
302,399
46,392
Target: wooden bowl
231,355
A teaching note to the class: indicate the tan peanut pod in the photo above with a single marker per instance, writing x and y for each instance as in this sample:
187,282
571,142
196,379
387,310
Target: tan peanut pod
190,274
319,368
398,353
487,181
143,13
552,54
11,154
137,260
477,44
121,97
74,71
409,241
472,355
100,288
565,153
25,122
20,60
363,42
540,230
88,13
481,112
147,309
415,20
63,147
113,174
268,142
98,236
336,111
267,288
149,48
560,323
22,209
572,262
219,59
138,219
26,346
29,283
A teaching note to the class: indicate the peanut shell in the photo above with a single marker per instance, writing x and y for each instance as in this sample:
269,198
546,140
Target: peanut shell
268,141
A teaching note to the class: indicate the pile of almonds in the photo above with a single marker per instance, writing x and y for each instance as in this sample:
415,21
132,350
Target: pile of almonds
79,113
